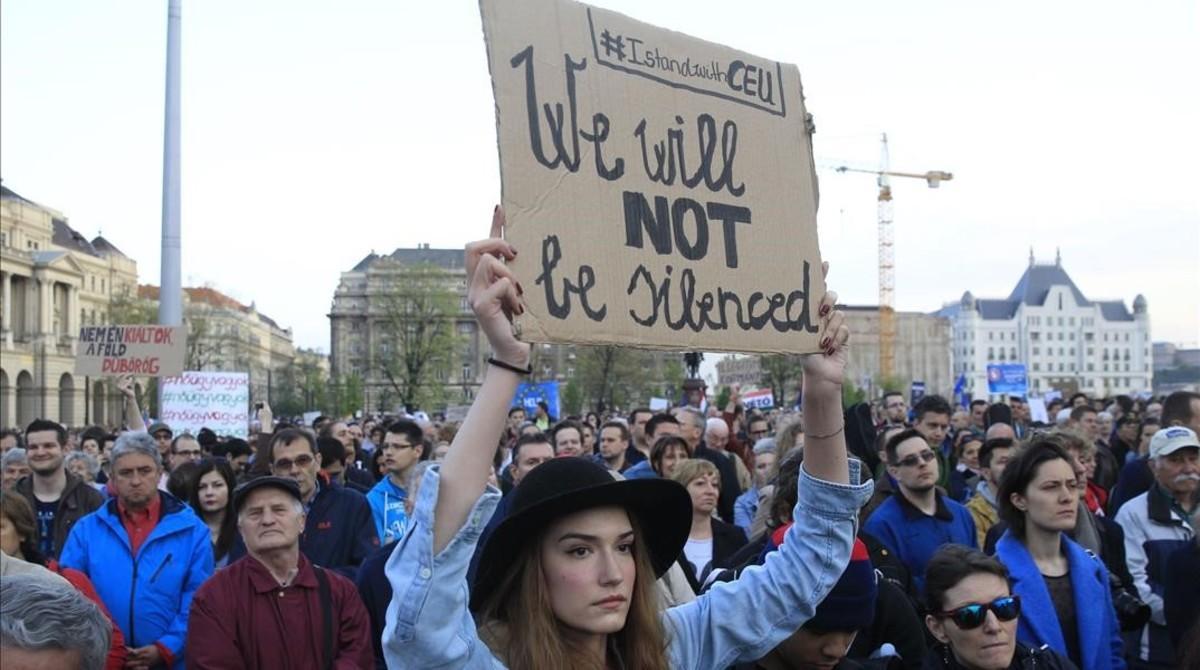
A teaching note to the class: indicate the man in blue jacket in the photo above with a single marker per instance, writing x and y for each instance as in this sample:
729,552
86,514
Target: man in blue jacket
921,518
146,552
402,448
338,530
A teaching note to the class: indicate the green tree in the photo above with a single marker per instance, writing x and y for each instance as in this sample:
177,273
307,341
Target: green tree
781,373
572,398
418,343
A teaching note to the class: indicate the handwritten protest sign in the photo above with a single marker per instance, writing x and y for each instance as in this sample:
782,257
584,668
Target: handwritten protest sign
660,188
153,351
216,400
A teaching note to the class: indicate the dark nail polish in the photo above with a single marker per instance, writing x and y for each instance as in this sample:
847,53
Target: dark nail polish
824,310
825,343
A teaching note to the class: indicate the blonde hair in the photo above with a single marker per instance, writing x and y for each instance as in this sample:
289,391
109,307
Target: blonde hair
519,625
692,468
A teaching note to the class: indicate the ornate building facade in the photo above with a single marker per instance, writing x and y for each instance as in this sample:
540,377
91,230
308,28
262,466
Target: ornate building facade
1066,341
52,281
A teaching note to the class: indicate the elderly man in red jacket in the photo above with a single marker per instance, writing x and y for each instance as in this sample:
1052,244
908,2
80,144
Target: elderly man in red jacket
273,608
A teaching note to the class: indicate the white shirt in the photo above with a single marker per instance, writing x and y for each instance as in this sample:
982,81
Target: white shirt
699,553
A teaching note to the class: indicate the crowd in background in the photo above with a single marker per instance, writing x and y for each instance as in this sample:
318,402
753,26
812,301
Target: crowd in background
1077,537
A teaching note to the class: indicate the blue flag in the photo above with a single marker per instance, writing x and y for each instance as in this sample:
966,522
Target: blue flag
960,391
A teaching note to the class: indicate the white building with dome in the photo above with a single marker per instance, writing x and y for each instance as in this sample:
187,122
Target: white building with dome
1066,341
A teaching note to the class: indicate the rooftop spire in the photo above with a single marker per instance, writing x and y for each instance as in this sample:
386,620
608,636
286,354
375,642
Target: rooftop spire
1057,257
1031,255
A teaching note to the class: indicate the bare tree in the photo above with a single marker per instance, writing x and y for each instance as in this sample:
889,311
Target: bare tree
418,345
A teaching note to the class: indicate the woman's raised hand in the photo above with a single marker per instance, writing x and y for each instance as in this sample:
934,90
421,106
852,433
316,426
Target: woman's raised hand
829,365
495,294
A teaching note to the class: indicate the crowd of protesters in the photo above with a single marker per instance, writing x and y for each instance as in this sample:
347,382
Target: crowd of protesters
877,536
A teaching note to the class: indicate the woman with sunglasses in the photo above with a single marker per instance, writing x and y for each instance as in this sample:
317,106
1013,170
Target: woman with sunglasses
1063,587
973,614
567,579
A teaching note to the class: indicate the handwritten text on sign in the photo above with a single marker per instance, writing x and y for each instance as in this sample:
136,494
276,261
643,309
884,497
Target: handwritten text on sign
661,187
216,400
154,351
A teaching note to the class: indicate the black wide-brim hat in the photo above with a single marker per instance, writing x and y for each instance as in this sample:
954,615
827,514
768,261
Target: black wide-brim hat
662,509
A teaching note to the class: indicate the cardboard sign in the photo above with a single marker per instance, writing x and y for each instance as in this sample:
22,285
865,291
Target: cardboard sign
760,399
659,188
1037,410
216,400
1007,378
150,351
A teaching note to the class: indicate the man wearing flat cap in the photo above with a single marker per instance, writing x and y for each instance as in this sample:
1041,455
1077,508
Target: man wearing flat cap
273,608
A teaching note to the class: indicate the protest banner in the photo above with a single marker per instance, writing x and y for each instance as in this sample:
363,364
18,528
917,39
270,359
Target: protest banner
216,400
1007,378
758,399
151,351
660,188
530,393
659,404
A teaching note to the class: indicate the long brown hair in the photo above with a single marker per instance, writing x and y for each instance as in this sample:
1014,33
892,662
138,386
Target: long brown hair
519,626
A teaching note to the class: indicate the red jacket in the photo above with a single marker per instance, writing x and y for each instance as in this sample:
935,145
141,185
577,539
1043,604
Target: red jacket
117,653
241,618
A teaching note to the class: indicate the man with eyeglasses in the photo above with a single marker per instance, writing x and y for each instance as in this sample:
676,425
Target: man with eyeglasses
403,447
895,409
338,530
921,519
184,449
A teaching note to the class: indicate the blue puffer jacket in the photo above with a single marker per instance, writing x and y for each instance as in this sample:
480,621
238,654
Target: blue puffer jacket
149,595
1096,620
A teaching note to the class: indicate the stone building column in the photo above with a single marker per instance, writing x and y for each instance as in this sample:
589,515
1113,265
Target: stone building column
6,318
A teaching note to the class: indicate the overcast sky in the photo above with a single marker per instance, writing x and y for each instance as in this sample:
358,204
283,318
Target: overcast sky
315,132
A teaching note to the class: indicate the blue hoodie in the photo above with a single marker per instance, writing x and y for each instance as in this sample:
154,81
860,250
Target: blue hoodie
387,506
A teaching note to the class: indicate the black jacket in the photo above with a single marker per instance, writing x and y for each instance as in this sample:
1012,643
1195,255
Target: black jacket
727,540
940,658
77,501
896,623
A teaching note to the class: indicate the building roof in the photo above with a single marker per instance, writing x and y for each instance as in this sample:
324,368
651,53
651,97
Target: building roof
1036,282
1032,289
448,259
68,238
103,246
7,193
210,296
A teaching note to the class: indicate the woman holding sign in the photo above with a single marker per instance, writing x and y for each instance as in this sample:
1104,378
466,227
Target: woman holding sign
567,579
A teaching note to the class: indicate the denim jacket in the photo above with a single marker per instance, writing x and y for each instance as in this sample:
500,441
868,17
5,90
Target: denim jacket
429,626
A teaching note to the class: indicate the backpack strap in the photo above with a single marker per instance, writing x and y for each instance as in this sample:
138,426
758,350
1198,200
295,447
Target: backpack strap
326,614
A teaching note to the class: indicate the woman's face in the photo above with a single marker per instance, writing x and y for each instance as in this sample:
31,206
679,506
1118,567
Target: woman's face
671,458
80,469
988,647
10,542
588,564
970,454
1051,500
213,492
704,491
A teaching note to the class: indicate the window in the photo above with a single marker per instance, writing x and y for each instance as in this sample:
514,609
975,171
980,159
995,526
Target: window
1036,351
1071,321
1126,337
991,353
1091,367
1036,367
1089,337
991,335
1072,338
1034,335
102,286
1071,351
1012,353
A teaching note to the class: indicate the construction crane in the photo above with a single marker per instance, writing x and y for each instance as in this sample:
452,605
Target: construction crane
887,250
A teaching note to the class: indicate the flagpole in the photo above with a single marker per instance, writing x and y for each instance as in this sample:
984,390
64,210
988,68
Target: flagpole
170,294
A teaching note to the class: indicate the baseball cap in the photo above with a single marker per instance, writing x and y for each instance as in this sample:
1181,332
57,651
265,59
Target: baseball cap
1171,439
242,492
160,426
